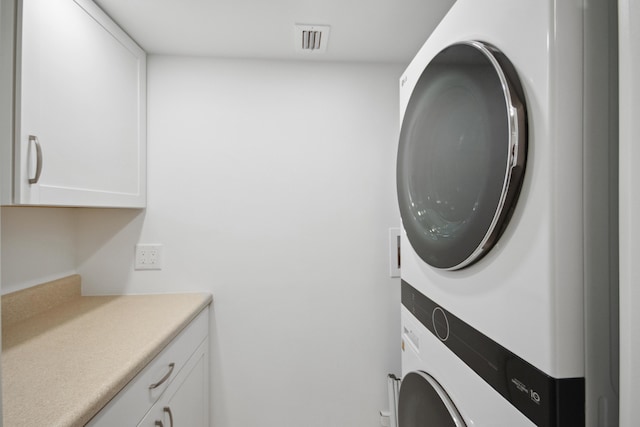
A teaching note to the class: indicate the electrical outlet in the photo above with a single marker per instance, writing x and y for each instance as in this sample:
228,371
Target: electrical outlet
148,256
385,418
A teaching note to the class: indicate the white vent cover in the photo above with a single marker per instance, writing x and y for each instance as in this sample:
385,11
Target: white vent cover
311,38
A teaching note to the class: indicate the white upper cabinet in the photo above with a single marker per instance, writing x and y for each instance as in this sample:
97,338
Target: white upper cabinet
79,136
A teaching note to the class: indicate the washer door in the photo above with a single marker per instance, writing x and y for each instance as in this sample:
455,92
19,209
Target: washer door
461,154
424,403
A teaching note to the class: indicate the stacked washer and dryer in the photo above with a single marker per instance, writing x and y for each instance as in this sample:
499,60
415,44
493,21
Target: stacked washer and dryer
506,185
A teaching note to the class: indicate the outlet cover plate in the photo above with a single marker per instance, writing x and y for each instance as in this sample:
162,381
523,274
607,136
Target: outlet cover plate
148,256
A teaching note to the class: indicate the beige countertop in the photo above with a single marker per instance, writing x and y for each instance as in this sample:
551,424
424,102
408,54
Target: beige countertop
71,354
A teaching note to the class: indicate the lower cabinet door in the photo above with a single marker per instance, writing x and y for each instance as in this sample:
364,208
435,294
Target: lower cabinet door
186,402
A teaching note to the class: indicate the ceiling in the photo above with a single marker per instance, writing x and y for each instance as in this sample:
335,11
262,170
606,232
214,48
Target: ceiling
360,30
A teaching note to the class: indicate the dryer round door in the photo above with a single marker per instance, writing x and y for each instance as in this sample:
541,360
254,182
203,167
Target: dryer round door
424,403
461,154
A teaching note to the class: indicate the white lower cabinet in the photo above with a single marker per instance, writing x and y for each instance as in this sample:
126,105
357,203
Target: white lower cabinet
172,390
184,403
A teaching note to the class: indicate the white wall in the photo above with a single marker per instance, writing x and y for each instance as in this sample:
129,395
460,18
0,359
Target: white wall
38,245
271,185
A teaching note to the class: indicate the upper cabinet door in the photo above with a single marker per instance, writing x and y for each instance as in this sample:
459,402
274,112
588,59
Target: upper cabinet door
80,135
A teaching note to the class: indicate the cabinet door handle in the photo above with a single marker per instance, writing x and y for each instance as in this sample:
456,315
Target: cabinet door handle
159,424
168,411
34,140
163,379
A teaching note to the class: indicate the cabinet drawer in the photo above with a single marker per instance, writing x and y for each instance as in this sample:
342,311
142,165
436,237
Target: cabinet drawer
131,404
186,401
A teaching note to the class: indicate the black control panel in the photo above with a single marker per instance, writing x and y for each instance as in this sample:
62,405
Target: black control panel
547,401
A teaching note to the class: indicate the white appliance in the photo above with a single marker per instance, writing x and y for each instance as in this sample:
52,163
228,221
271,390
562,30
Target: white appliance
504,167
439,390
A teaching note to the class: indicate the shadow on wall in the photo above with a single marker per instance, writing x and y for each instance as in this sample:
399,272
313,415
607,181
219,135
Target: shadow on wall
101,235
40,244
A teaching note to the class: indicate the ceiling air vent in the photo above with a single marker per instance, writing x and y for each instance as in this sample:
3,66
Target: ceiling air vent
311,38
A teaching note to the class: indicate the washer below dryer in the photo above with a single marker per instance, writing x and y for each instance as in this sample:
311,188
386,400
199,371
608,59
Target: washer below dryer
442,391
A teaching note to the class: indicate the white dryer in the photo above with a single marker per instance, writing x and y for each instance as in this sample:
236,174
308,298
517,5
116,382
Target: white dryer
504,188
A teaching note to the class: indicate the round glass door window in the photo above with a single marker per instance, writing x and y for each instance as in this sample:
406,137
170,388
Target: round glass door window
461,154
424,403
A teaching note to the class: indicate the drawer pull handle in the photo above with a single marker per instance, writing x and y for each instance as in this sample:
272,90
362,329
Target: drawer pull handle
168,411
163,379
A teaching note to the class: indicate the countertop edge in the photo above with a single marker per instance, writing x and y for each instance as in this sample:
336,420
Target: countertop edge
103,399
32,348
